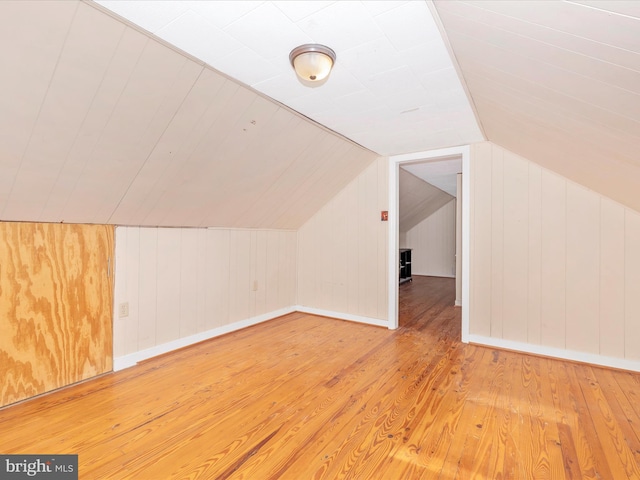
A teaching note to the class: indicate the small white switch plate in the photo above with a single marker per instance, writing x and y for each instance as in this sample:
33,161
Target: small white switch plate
123,309
255,285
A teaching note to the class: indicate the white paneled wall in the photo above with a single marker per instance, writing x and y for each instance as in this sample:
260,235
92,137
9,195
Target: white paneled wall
342,252
555,267
433,243
186,284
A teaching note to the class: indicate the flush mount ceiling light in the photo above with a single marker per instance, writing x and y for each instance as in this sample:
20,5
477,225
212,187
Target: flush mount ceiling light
312,62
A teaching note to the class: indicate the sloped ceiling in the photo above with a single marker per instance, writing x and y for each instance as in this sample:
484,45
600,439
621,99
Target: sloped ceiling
557,82
101,123
418,201
394,88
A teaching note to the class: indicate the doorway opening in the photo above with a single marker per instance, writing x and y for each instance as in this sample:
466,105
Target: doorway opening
462,155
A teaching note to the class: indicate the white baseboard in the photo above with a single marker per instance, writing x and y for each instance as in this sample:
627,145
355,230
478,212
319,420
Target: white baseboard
342,316
126,361
591,358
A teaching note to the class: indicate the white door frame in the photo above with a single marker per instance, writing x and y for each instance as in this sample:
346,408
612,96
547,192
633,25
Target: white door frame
394,164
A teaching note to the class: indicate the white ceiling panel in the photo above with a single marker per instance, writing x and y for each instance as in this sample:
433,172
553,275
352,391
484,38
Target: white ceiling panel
384,49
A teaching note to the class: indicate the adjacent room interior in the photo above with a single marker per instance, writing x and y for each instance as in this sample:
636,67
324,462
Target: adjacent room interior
421,260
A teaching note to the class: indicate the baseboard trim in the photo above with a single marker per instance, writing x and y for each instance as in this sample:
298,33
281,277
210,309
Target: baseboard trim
582,357
129,360
342,316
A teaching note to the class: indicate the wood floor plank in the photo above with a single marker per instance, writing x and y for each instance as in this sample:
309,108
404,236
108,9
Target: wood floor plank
308,397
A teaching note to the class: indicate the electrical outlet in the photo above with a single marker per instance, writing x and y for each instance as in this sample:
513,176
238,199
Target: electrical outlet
255,285
123,309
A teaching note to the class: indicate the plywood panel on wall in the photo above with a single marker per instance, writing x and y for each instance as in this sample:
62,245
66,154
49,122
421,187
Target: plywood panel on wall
55,306
553,264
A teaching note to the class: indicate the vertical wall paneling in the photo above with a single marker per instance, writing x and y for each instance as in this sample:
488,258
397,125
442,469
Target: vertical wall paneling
130,283
367,205
497,242
341,259
349,200
583,274
553,260
612,278
260,276
382,194
219,261
534,279
56,299
433,243
480,267
189,283
515,247
168,312
563,263
146,256
632,285
343,256
240,274
270,282
202,321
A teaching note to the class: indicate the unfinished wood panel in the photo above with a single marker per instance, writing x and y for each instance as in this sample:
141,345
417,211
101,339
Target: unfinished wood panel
553,250
583,269
325,238
480,254
515,247
497,242
56,292
632,286
612,278
534,271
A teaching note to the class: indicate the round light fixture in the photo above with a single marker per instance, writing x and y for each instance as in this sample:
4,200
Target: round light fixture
312,62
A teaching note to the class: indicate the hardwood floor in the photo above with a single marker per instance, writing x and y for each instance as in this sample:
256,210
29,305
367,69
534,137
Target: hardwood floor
306,397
